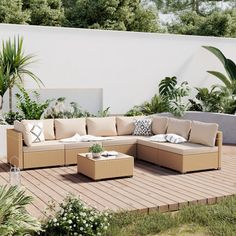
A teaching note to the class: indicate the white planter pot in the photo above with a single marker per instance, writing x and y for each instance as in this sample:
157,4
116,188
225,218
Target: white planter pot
3,140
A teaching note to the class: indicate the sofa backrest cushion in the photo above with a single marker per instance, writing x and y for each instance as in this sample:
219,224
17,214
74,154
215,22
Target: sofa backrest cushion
125,124
203,133
48,127
179,127
32,131
66,128
101,126
159,124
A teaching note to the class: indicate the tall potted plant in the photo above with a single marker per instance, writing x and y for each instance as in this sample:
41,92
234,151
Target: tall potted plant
14,66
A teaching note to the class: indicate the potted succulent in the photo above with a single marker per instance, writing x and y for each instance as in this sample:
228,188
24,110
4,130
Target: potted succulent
96,150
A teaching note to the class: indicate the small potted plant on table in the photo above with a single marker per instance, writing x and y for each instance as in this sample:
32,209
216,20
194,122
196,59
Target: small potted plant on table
96,150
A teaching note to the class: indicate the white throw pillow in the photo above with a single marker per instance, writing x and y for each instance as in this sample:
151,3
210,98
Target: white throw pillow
158,138
143,127
35,130
174,138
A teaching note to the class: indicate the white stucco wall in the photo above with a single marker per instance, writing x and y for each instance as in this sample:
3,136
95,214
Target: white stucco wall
126,65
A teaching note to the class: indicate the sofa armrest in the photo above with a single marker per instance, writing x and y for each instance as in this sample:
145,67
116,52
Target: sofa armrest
219,141
15,148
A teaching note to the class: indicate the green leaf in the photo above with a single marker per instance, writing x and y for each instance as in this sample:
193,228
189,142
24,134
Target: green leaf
217,53
231,69
222,77
167,85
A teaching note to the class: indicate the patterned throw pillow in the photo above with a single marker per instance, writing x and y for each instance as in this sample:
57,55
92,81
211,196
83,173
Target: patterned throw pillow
36,132
143,127
174,138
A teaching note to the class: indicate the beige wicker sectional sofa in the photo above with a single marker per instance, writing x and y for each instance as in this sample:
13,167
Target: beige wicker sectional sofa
202,150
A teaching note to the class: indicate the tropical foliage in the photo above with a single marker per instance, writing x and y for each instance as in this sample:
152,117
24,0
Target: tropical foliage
230,68
217,99
31,109
14,219
14,65
4,84
169,99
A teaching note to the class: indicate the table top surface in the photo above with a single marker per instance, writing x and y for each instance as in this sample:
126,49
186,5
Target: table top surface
104,158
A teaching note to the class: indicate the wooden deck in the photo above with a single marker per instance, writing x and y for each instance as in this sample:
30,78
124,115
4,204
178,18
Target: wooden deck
151,188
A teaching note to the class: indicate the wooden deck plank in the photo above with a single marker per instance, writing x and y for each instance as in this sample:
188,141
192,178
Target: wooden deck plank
151,188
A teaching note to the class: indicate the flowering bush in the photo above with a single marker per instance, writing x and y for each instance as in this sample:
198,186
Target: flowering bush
75,218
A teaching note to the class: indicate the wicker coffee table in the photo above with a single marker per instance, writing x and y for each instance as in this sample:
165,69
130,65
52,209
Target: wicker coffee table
121,165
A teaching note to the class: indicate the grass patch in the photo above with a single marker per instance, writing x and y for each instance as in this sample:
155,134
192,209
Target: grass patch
219,220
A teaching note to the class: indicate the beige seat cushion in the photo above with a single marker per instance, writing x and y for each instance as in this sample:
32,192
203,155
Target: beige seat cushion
44,146
182,149
48,127
125,124
159,124
66,128
120,140
75,145
179,127
101,126
203,133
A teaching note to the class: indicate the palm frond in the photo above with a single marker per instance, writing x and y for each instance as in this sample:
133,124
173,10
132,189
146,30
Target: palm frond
14,219
221,77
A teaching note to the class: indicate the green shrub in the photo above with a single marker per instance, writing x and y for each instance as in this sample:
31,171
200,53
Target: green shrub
169,99
59,110
11,116
32,109
75,218
14,219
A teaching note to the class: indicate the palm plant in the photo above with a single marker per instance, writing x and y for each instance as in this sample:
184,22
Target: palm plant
230,68
14,219
14,63
4,82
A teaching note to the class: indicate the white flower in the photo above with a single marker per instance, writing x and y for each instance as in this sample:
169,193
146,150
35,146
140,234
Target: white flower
81,228
70,221
64,218
55,220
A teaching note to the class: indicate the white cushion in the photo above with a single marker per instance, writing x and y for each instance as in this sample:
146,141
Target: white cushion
32,132
48,127
174,138
36,132
158,138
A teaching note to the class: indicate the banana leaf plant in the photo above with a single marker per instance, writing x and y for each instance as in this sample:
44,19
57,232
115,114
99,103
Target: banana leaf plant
14,63
230,68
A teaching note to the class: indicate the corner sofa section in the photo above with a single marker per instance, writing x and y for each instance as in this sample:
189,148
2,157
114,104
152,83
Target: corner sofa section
183,157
